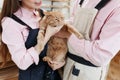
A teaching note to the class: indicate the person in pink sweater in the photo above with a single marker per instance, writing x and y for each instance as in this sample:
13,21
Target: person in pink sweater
19,28
89,58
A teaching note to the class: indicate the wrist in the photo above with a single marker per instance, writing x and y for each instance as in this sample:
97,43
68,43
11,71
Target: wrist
38,48
42,32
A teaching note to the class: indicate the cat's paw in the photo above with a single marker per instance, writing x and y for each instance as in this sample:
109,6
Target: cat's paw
40,41
45,59
79,35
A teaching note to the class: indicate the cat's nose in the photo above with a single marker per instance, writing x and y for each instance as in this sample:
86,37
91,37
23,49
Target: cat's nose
57,19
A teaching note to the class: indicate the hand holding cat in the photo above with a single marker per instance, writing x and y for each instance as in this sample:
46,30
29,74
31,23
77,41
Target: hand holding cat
63,34
56,65
53,30
50,31
42,40
67,33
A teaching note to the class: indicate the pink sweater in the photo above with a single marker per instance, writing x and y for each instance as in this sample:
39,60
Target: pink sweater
15,35
105,37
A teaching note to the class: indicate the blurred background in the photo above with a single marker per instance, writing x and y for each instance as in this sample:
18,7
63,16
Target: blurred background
1,2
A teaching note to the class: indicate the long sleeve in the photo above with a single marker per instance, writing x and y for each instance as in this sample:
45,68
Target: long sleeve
101,50
14,38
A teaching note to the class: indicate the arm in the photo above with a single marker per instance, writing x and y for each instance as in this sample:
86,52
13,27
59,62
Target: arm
102,50
44,36
13,37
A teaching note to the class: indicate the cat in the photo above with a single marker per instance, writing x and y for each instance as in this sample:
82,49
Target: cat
114,68
57,47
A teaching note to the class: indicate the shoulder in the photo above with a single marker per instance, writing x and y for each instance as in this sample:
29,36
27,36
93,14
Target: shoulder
9,23
109,9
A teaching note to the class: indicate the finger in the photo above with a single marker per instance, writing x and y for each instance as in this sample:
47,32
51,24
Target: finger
57,66
51,65
50,61
58,27
55,62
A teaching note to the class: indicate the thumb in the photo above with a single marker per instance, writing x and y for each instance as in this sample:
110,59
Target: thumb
57,28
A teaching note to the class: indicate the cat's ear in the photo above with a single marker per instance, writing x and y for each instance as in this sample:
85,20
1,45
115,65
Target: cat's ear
61,15
47,13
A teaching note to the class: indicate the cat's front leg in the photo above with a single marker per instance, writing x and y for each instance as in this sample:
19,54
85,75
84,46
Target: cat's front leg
47,59
73,30
40,41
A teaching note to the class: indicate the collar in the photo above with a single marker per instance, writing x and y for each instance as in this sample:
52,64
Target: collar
27,13
23,12
29,17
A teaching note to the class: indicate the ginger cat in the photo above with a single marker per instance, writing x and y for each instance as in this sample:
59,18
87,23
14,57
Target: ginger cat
114,68
57,47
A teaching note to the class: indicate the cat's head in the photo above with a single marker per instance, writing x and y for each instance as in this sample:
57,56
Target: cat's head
54,18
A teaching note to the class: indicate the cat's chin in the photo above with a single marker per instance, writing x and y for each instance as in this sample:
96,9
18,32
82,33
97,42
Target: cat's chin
53,25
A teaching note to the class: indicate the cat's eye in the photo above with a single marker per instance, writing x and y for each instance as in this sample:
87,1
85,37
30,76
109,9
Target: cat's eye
48,17
57,19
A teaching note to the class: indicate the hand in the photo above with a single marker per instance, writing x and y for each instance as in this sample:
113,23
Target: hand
50,31
56,65
40,42
63,34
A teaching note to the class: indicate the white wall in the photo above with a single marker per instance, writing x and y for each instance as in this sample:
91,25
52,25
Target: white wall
65,10
1,2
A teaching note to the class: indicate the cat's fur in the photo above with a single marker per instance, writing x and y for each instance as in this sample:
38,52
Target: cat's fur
114,69
57,47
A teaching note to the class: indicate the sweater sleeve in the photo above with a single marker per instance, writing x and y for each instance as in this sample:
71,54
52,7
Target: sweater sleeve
102,50
15,42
